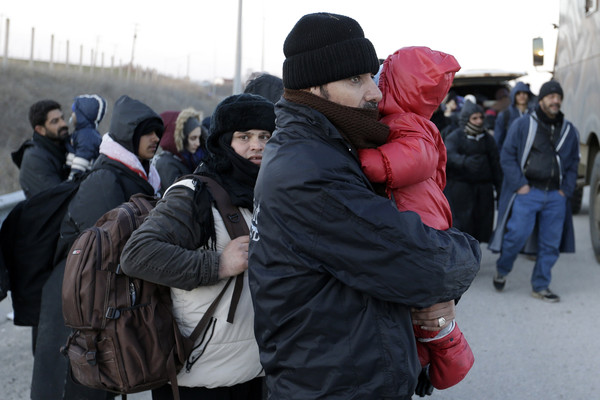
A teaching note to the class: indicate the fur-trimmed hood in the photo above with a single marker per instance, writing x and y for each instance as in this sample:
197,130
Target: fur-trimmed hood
173,139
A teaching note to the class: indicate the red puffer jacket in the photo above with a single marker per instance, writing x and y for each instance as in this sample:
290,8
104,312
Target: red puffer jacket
412,164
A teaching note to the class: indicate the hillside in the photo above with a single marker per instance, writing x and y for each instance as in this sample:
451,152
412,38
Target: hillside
22,86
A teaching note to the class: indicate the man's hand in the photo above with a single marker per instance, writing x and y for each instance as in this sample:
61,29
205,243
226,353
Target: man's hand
524,189
234,258
429,318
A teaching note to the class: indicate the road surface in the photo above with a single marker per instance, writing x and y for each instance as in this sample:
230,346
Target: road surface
524,348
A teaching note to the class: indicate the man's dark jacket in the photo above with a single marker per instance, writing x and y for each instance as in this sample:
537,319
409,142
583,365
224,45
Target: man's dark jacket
42,164
335,268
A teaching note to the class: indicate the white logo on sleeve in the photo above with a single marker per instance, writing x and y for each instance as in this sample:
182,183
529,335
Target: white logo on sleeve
254,236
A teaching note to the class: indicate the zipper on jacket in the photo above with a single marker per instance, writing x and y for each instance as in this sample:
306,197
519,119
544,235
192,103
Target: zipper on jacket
132,293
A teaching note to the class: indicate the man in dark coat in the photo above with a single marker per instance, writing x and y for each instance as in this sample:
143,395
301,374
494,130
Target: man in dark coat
539,158
122,170
335,268
41,159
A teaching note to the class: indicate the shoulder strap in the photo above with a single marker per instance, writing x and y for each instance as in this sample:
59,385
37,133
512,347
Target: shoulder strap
232,217
236,226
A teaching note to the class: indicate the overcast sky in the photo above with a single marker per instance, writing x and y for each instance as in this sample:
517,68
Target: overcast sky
200,36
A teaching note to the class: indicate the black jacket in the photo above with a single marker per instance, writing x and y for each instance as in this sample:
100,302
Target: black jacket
472,173
42,164
335,268
169,167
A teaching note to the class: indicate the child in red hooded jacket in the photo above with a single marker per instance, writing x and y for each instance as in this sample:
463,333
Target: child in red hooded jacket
412,165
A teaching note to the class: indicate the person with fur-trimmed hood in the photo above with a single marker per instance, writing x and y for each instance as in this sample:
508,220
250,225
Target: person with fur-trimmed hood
84,143
182,145
122,169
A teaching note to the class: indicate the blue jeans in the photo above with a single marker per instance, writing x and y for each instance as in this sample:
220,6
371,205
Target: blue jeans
549,208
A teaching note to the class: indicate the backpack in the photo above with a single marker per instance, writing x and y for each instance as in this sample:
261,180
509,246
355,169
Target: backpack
125,338
28,238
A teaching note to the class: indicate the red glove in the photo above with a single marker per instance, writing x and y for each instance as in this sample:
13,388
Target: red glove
450,359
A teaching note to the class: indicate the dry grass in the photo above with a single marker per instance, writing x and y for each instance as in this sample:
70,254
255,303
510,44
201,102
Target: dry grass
21,86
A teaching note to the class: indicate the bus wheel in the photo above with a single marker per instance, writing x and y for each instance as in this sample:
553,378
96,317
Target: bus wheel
595,207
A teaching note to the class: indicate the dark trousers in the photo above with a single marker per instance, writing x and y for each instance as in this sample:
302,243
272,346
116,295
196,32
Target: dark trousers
251,390
51,380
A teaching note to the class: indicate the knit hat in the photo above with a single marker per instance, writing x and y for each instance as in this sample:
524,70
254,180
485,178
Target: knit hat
240,112
549,88
325,47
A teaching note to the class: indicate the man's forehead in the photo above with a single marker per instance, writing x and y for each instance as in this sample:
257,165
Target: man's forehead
54,114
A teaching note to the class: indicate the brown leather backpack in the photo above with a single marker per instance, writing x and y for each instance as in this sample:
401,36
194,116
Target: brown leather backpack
125,338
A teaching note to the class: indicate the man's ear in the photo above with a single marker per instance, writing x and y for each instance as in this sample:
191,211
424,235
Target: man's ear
40,129
316,90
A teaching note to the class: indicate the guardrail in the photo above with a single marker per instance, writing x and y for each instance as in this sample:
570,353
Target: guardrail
8,201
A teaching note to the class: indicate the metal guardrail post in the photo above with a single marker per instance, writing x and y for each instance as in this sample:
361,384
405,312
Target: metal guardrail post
8,201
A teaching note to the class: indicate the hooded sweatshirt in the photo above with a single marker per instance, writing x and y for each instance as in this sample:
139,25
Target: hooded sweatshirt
85,142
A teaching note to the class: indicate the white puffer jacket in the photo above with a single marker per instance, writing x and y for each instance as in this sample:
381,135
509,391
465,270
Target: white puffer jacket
227,354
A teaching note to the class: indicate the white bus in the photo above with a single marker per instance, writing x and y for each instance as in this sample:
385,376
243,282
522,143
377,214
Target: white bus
577,69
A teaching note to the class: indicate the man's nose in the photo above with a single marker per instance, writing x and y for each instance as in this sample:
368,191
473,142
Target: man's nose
373,92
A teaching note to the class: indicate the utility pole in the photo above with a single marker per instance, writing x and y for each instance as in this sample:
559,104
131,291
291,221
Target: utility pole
5,58
52,51
237,80
129,70
32,45
262,50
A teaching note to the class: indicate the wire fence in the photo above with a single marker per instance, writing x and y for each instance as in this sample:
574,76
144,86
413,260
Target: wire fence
28,47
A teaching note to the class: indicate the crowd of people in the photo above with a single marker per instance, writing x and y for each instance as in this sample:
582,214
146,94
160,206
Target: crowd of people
365,221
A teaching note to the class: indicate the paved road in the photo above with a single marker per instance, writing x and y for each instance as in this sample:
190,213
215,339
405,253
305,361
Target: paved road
524,348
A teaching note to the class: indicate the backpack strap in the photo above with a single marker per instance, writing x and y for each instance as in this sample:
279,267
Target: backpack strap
236,226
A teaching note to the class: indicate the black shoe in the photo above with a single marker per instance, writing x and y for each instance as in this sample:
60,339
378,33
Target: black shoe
499,282
546,295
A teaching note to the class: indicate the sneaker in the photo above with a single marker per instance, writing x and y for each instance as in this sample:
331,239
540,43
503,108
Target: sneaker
546,295
499,282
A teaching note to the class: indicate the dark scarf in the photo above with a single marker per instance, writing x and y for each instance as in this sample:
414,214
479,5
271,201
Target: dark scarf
56,147
358,126
236,174
542,117
545,122
192,160
473,130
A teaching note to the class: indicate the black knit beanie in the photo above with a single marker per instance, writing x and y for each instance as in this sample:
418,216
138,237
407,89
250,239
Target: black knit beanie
240,112
549,88
325,47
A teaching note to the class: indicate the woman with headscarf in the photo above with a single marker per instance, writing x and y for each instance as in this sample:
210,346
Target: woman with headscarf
472,173
183,244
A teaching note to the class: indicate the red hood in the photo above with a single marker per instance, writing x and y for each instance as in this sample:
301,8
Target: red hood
416,79
167,142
